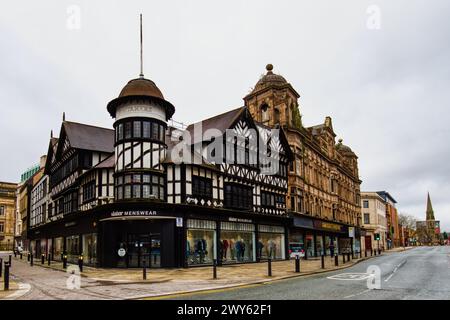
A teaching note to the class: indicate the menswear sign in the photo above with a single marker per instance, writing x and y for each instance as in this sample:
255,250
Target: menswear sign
134,213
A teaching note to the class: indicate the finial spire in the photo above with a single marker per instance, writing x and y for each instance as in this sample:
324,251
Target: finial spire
142,62
64,116
430,212
51,133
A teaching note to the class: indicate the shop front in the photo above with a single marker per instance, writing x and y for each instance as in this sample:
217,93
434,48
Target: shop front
164,237
317,237
233,240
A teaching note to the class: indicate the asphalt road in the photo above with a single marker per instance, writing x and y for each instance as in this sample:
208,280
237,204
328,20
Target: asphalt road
419,273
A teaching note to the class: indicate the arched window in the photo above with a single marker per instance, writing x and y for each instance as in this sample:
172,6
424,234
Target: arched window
265,113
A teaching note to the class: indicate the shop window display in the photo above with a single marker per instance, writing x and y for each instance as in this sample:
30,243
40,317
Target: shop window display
356,245
58,249
336,245
329,246
237,242
43,247
271,242
73,248
200,244
310,245
319,245
49,247
33,247
296,242
90,248
345,245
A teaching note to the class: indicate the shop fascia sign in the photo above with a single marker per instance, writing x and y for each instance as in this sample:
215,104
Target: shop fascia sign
134,213
327,226
239,220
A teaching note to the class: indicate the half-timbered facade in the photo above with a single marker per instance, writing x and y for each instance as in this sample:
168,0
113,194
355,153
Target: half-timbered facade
124,197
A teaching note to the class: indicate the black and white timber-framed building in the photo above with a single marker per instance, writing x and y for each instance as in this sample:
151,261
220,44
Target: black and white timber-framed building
121,196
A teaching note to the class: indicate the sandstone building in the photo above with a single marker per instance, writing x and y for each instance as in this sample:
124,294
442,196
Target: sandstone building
324,186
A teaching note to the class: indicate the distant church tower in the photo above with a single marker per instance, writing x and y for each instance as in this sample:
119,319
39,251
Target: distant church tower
432,225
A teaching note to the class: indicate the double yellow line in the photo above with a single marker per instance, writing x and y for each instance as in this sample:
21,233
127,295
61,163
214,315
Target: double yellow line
202,292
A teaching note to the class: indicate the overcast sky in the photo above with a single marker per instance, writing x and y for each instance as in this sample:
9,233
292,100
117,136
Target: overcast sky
386,89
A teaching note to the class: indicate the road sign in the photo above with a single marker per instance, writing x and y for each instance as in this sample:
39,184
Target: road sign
121,252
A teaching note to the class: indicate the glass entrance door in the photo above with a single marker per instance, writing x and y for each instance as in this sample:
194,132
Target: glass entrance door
155,251
144,247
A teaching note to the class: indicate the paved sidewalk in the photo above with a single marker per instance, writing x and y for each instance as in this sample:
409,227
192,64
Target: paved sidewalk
13,287
163,282
399,249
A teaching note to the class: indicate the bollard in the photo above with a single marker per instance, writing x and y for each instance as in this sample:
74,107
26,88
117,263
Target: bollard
21,256
297,263
269,267
323,261
371,252
80,263
144,270
336,260
1,267
348,256
42,258
64,262
31,260
353,255
365,253
214,269
379,252
343,258
48,259
6,278
28,257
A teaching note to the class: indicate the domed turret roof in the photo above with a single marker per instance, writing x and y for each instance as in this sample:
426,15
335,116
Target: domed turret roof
269,79
343,148
144,89
141,87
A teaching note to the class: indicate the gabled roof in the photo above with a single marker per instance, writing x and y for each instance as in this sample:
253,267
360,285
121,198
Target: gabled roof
107,163
52,146
87,137
220,122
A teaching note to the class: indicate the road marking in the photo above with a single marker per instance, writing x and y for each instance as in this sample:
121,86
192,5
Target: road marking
357,294
350,276
198,292
395,270
23,289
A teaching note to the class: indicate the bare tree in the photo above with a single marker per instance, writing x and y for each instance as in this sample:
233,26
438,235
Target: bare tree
407,220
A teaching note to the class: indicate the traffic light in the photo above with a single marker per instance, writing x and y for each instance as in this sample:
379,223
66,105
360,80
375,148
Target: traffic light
376,236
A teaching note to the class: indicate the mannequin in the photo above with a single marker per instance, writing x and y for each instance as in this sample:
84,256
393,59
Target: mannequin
225,248
242,249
